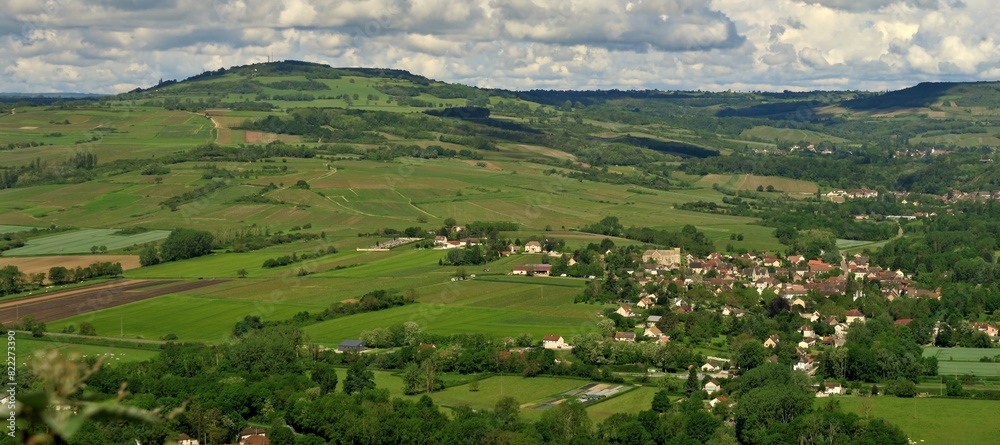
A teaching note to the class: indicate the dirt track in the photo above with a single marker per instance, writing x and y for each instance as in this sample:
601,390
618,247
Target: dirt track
59,305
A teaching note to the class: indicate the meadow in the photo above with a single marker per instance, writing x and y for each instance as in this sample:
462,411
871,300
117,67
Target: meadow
27,347
961,361
81,241
931,421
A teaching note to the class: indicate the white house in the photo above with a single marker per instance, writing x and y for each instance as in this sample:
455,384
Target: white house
711,366
712,386
625,311
833,388
653,332
184,439
771,341
807,331
625,336
855,315
533,247
553,342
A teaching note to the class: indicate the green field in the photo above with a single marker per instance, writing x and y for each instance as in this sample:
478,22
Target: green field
961,361
81,241
933,421
190,318
527,391
26,348
638,399
12,229
792,135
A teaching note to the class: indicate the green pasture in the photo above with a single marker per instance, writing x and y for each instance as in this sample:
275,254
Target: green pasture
121,133
189,317
931,421
793,135
527,391
449,319
12,229
26,348
632,401
82,240
961,361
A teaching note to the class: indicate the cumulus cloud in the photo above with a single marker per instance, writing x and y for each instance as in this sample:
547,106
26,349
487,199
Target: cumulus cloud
115,45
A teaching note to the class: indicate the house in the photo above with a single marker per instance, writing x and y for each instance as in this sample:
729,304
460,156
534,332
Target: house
652,320
653,332
799,302
351,345
721,399
902,322
184,439
645,303
712,386
855,315
625,311
985,327
440,240
542,270
813,317
807,331
795,259
533,247
711,366
553,342
833,388
664,257
808,342
771,341
512,248
625,336
256,440
805,365
249,432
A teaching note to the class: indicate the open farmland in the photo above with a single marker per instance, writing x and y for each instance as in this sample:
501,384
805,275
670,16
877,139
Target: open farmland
527,391
189,316
932,421
961,361
60,305
27,347
81,241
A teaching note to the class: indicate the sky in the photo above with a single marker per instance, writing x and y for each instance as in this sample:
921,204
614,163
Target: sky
112,46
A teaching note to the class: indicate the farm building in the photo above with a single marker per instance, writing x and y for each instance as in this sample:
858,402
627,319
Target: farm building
533,269
351,345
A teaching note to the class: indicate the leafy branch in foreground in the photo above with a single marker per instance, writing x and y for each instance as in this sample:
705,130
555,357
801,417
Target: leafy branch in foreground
56,410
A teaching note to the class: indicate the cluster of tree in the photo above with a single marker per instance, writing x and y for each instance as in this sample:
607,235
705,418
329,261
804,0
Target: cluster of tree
775,405
13,280
689,239
62,275
372,301
174,202
254,237
876,352
285,260
181,244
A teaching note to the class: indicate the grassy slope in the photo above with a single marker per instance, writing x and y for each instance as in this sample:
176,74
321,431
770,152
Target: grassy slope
934,421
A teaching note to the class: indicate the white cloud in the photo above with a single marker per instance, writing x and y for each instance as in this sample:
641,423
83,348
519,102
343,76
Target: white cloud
115,45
